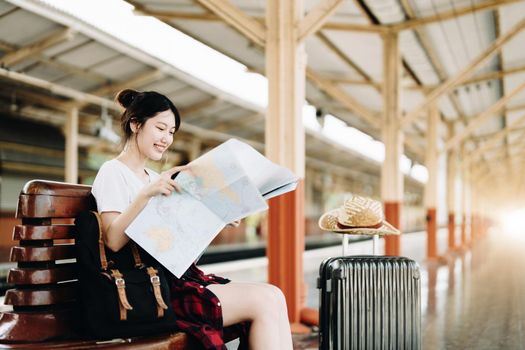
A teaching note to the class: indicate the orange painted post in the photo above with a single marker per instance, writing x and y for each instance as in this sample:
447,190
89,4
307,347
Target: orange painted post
473,229
284,141
393,215
431,187
431,233
392,137
452,167
286,246
451,231
464,230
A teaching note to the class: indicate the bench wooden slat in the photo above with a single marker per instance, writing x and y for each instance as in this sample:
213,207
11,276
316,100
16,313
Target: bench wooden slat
35,326
47,206
60,273
34,232
57,294
54,188
57,252
175,341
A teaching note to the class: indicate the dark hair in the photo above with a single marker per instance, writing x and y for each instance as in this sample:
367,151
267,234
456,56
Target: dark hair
141,106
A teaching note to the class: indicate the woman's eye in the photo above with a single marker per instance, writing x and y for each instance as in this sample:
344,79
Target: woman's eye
161,129
172,133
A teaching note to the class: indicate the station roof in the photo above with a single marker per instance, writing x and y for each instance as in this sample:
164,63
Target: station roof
439,40
465,54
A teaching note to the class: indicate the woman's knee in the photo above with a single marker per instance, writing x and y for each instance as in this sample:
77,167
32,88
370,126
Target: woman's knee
272,300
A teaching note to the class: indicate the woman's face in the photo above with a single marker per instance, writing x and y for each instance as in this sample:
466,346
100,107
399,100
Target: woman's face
156,135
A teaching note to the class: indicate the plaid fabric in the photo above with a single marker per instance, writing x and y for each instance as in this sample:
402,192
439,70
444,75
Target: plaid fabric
199,312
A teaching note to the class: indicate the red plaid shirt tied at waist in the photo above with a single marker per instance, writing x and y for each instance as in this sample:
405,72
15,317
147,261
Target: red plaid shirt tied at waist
199,312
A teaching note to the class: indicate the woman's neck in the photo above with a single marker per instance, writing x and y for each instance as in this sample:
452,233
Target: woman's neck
133,159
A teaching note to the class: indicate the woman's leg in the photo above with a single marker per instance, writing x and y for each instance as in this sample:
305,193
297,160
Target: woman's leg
262,304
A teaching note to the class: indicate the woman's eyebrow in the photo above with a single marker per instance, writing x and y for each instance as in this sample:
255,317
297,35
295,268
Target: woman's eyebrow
165,125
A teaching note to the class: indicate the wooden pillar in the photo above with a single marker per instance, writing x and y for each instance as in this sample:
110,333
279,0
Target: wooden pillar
195,149
285,70
463,230
431,162
391,176
451,193
71,133
464,198
474,215
309,184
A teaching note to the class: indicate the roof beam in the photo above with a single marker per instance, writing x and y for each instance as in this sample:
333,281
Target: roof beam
492,141
515,108
351,81
166,16
438,17
138,80
494,75
58,89
239,123
463,74
245,24
354,27
199,106
478,78
481,118
37,47
316,17
340,95
325,40
433,57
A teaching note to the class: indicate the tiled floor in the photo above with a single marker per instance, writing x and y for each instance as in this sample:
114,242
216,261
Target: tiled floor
471,299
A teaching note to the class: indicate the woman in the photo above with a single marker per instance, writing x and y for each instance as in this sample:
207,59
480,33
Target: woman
122,188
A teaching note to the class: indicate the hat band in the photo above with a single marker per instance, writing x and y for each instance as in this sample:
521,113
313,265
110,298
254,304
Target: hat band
341,226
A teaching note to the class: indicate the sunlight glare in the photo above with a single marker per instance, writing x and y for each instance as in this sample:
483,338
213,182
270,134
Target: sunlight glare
513,222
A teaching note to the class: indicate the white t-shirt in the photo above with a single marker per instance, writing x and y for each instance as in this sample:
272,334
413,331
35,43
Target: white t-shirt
116,186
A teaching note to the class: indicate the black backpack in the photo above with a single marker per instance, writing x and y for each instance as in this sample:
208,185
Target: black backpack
121,294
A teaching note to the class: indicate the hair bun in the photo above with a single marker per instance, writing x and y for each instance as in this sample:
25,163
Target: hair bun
126,97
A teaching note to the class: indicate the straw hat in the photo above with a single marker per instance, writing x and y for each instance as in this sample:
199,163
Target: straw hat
358,216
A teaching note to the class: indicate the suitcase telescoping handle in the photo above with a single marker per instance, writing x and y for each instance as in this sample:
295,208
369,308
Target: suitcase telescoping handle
375,245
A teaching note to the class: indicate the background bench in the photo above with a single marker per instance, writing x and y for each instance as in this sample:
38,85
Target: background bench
45,279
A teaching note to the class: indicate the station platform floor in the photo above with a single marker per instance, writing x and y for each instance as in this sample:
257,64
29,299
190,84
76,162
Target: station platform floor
471,298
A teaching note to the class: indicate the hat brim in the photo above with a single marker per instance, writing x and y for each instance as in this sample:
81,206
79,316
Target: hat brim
328,222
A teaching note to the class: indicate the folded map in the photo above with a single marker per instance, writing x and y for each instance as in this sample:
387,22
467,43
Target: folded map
227,183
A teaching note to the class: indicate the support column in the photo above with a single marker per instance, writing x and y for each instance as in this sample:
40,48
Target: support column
451,192
451,199
285,70
71,133
391,176
431,163
464,196
195,149
474,214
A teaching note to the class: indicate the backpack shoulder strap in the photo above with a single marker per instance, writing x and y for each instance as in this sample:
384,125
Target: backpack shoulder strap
102,251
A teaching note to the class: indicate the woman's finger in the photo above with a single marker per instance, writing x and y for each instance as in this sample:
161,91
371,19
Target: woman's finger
176,169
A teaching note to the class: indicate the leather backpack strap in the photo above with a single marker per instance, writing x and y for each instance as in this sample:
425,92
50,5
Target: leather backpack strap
136,255
124,304
102,251
155,282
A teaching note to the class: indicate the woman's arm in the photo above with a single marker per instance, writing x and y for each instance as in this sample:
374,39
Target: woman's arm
114,223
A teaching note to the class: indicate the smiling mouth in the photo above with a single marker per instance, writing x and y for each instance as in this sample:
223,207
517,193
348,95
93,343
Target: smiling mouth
160,148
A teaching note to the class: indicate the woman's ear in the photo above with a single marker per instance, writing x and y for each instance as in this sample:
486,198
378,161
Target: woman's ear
134,125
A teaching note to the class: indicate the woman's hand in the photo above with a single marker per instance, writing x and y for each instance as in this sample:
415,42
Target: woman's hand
164,185
235,223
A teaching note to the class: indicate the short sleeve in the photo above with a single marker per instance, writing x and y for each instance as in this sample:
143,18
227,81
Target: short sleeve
110,190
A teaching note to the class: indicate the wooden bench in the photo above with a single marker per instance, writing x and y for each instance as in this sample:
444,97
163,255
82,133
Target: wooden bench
45,282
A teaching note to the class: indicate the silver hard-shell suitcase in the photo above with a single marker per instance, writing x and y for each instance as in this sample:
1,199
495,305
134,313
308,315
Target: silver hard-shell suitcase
369,302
